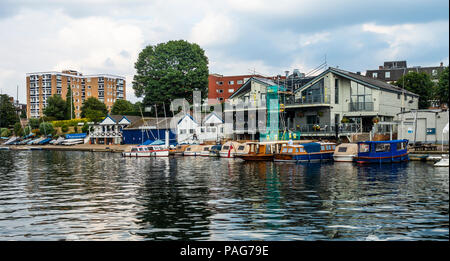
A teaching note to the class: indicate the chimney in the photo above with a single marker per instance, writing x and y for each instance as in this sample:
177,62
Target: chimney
442,64
358,73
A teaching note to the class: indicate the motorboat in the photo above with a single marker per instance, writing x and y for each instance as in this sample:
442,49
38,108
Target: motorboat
229,149
258,152
147,151
179,150
193,150
307,152
214,151
345,152
205,150
382,151
443,162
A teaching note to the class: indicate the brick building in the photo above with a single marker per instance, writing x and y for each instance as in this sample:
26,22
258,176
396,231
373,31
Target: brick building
41,85
221,87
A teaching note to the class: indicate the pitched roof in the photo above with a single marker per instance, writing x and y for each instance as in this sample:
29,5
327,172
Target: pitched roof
247,85
371,82
152,122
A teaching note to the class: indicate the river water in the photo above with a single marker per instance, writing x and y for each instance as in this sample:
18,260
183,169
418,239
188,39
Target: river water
55,195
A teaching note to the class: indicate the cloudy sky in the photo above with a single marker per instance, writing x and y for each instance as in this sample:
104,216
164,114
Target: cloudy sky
106,36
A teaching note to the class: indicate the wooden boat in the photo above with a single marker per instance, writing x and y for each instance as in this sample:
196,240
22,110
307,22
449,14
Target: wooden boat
258,152
215,150
306,152
147,151
193,150
179,150
345,152
382,151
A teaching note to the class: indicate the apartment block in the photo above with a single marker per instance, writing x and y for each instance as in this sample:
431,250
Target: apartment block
41,85
393,70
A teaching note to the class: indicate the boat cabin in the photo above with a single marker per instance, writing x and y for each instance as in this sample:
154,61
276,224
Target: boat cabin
382,151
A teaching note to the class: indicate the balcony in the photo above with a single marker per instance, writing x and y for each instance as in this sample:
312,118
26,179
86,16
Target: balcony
327,128
360,106
308,100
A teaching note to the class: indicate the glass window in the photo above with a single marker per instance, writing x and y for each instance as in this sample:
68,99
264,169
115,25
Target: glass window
375,75
284,150
296,150
231,82
364,147
387,75
240,82
381,147
336,91
342,149
290,150
241,147
302,150
226,147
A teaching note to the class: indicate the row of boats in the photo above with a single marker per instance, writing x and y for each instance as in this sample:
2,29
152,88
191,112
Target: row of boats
285,151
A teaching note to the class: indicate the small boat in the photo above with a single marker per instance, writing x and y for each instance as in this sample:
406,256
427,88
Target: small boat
70,142
345,152
228,149
443,162
258,152
193,150
215,150
179,150
4,148
382,151
205,150
147,151
306,152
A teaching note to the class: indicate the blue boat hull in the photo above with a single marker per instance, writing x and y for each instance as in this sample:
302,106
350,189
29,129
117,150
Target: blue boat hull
306,157
393,159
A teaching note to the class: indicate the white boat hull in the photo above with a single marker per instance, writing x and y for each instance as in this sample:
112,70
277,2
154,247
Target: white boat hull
161,153
343,158
442,163
225,154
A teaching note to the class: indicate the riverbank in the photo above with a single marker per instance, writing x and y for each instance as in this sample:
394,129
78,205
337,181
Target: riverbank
77,147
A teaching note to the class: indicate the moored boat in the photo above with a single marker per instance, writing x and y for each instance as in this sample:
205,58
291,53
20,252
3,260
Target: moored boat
205,150
258,152
382,151
229,149
147,151
306,152
214,151
179,150
193,150
443,162
345,152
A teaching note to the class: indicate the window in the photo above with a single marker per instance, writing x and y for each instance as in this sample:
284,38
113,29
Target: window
240,82
375,75
364,147
219,90
290,150
220,99
382,147
398,96
312,119
284,150
226,147
387,75
230,90
241,147
231,82
434,72
182,131
342,149
336,91
219,83
191,131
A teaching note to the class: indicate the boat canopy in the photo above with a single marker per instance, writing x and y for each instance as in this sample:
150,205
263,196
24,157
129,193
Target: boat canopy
311,147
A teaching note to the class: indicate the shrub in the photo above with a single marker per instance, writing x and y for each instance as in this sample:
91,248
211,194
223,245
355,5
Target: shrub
46,128
65,128
85,128
5,132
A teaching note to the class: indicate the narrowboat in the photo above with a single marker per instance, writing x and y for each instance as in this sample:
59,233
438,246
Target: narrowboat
382,151
306,152
258,152
345,152
193,150
215,150
147,151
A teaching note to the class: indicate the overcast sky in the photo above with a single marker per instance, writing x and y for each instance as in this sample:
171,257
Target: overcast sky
101,36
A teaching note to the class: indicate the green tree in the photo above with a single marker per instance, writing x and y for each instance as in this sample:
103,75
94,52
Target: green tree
441,92
18,130
420,84
93,109
46,128
34,123
69,111
170,70
56,107
122,107
8,116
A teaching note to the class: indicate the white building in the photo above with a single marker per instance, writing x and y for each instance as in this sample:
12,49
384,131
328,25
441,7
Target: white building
210,128
109,130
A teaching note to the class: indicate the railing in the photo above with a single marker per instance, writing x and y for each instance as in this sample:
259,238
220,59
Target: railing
328,128
315,99
360,106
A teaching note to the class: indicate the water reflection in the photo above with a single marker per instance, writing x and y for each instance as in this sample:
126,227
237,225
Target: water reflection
48,195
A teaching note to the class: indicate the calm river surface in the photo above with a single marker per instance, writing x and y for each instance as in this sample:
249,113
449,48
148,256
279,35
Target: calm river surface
51,195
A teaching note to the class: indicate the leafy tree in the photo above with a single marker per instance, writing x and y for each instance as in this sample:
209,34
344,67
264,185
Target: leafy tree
18,130
420,84
93,109
56,107
122,107
69,111
441,93
8,116
170,70
46,128
34,123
